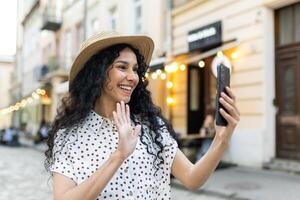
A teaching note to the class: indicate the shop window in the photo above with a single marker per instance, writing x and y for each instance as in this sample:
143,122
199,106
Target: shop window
288,25
297,22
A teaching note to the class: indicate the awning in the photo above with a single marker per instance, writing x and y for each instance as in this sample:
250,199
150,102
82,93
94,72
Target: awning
195,57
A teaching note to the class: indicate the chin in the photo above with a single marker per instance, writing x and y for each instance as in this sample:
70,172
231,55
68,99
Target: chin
125,99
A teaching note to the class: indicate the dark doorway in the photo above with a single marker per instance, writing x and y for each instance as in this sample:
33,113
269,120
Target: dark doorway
287,76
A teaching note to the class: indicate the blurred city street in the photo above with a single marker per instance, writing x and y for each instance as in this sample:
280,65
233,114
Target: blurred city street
47,44
23,177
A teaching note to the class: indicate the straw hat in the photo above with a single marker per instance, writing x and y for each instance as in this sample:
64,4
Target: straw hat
105,39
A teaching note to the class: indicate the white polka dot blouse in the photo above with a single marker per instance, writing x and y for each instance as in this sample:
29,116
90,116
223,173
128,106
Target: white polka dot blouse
89,145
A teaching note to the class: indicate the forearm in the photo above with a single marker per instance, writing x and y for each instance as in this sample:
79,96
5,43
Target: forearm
94,185
207,164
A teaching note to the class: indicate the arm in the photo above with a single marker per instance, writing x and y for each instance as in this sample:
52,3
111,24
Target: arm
193,176
66,189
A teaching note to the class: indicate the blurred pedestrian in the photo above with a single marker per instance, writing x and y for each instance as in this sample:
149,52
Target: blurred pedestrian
109,141
42,133
207,132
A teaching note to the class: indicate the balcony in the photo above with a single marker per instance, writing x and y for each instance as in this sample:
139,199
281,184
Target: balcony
51,20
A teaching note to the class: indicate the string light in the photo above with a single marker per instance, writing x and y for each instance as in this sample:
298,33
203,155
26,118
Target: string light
170,100
201,63
154,76
37,94
170,84
182,67
234,55
163,76
220,54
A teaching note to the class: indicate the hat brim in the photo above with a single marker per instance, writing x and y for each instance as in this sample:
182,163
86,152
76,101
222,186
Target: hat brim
144,44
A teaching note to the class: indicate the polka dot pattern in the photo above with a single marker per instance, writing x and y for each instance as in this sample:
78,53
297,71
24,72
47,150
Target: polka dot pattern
90,145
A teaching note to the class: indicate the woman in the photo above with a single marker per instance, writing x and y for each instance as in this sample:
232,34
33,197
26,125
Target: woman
109,141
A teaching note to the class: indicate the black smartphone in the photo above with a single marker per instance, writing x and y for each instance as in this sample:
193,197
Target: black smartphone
223,80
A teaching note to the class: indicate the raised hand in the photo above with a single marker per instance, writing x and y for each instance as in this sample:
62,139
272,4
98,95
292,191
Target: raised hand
128,135
232,115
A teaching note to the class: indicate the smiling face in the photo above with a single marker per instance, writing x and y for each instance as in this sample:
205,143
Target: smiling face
122,78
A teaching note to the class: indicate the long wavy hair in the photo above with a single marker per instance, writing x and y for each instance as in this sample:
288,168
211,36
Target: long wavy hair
86,89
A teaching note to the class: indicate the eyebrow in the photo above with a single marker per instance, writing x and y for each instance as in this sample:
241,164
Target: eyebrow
124,62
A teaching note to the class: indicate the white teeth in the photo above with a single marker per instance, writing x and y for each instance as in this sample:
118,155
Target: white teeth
128,88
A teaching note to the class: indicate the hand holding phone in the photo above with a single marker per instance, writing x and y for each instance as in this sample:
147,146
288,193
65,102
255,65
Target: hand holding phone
223,81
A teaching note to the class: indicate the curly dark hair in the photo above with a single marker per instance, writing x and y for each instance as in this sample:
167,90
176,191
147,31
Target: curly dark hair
86,89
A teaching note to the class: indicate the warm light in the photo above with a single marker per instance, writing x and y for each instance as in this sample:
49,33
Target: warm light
171,68
168,68
35,95
38,91
170,84
43,92
158,72
174,67
154,76
220,54
16,108
163,76
201,63
170,100
146,75
182,67
234,55
29,100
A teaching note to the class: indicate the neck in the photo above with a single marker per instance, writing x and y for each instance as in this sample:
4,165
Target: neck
105,107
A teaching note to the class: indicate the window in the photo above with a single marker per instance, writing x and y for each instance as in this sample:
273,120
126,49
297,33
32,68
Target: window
288,25
68,49
113,18
79,36
137,18
95,26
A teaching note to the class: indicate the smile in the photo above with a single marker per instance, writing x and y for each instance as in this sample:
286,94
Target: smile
126,88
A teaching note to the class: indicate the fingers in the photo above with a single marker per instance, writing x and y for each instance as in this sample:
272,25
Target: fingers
137,130
230,93
122,115
123,112
231,121
229,103
230,108
116,119
128,113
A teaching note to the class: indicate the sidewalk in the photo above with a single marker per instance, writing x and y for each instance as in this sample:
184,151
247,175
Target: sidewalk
248,183
237,183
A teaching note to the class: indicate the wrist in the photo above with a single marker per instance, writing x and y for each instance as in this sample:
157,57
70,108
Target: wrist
221,143
118,156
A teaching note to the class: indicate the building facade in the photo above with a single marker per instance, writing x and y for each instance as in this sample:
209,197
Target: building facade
6,75
260,39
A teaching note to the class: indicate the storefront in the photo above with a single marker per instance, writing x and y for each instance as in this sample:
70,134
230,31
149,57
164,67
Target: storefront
267,95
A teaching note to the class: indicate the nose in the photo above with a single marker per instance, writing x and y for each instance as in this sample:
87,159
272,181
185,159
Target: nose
132,76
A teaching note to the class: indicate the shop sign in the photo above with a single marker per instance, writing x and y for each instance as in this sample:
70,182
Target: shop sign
206,37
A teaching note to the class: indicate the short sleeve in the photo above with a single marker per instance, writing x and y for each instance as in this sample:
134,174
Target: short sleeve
62,158
170,145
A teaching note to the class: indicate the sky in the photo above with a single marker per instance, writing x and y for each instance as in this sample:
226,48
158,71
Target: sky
8,17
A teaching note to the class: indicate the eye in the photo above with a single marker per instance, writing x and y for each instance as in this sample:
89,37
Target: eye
122,67
135,69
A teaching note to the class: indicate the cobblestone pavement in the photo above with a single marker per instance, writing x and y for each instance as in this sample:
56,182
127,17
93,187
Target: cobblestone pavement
23,177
